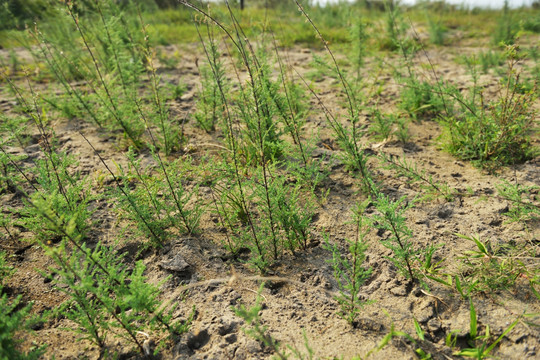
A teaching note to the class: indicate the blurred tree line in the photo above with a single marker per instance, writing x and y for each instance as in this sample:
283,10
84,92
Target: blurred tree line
16,14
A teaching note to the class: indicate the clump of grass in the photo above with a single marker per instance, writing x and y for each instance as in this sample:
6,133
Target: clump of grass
497,134
421,98
494,267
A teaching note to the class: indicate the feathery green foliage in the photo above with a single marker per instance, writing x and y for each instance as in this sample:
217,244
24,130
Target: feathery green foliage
499,133
391,218
349,272
525,205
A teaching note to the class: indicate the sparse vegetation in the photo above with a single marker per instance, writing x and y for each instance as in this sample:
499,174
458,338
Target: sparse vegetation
351,274
496,133
149,147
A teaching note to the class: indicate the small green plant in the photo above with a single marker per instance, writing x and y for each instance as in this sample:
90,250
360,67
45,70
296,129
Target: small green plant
531,77
430,267
386,125
260,332
5,222
123,303
14,317
294,211
490,59
402,131
5,269
261,209
138,198
507,27
347,136
382,125
481,345
14,129
531,23
57,183
269,219
408,169
497,134
524,203
257,330
66,192
417,343
391,218
349,271
492,267
8,171
437,31
393,333
464,292
210,107
113,56
396,28
359,37
157,202
421,99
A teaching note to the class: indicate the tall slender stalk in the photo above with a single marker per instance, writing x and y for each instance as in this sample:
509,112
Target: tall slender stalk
231,137
350,144
116,113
